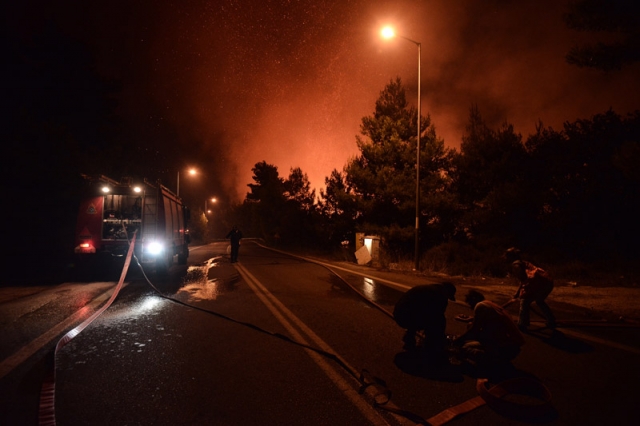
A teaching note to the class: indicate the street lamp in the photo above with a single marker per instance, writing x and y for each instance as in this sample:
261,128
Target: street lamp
213,200
387,33
191,172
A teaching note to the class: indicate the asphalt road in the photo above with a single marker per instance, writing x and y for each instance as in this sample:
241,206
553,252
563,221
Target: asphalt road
276,339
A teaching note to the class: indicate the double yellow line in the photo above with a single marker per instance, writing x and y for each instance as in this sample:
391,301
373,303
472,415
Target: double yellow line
303,334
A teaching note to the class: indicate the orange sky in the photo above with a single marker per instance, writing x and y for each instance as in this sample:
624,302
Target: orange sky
294,94
288,82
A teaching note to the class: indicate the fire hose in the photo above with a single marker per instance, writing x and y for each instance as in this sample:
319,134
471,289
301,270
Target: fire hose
46,414
491,396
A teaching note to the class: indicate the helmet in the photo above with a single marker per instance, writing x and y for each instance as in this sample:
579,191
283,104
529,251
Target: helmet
512,254
473,297
449,290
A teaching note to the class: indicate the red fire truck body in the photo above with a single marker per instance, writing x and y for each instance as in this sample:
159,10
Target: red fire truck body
111,211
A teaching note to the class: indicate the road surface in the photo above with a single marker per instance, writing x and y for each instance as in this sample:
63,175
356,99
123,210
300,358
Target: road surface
276,339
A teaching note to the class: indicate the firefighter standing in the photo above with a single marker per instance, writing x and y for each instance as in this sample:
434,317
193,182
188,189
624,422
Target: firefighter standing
234,236
535,286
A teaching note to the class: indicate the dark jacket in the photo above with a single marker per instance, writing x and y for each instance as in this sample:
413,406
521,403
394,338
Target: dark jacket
423,304
235,236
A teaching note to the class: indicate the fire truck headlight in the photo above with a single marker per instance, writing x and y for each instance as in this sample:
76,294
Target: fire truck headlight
155,248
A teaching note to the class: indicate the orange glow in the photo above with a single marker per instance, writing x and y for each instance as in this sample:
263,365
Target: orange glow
298,100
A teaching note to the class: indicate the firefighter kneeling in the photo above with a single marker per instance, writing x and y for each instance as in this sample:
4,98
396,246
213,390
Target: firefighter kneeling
492,338
420,311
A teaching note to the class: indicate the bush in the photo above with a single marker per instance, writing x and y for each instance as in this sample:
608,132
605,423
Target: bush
455,258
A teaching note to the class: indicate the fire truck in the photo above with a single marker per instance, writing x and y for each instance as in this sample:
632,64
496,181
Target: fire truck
111,211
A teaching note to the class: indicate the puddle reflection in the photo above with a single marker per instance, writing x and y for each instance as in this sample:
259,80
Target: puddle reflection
209,290
198,287
368,287
145,307
379,293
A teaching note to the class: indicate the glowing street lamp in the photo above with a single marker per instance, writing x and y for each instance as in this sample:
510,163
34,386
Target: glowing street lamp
213,200
191,172
388,33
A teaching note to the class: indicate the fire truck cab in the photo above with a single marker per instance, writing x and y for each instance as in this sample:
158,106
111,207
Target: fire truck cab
111,211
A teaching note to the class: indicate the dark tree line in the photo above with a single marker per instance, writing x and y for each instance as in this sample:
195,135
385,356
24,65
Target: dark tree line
280,211
574,190
617,22
570,193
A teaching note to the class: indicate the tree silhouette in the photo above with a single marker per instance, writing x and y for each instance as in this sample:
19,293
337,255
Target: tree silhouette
382,177
491,181
618,21
338,210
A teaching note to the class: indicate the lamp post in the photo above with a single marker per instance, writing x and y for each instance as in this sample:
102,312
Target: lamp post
191,172
388,32
213,200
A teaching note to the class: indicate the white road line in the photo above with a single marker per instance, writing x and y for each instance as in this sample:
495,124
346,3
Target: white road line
329,265
279,311
34,346
373,277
